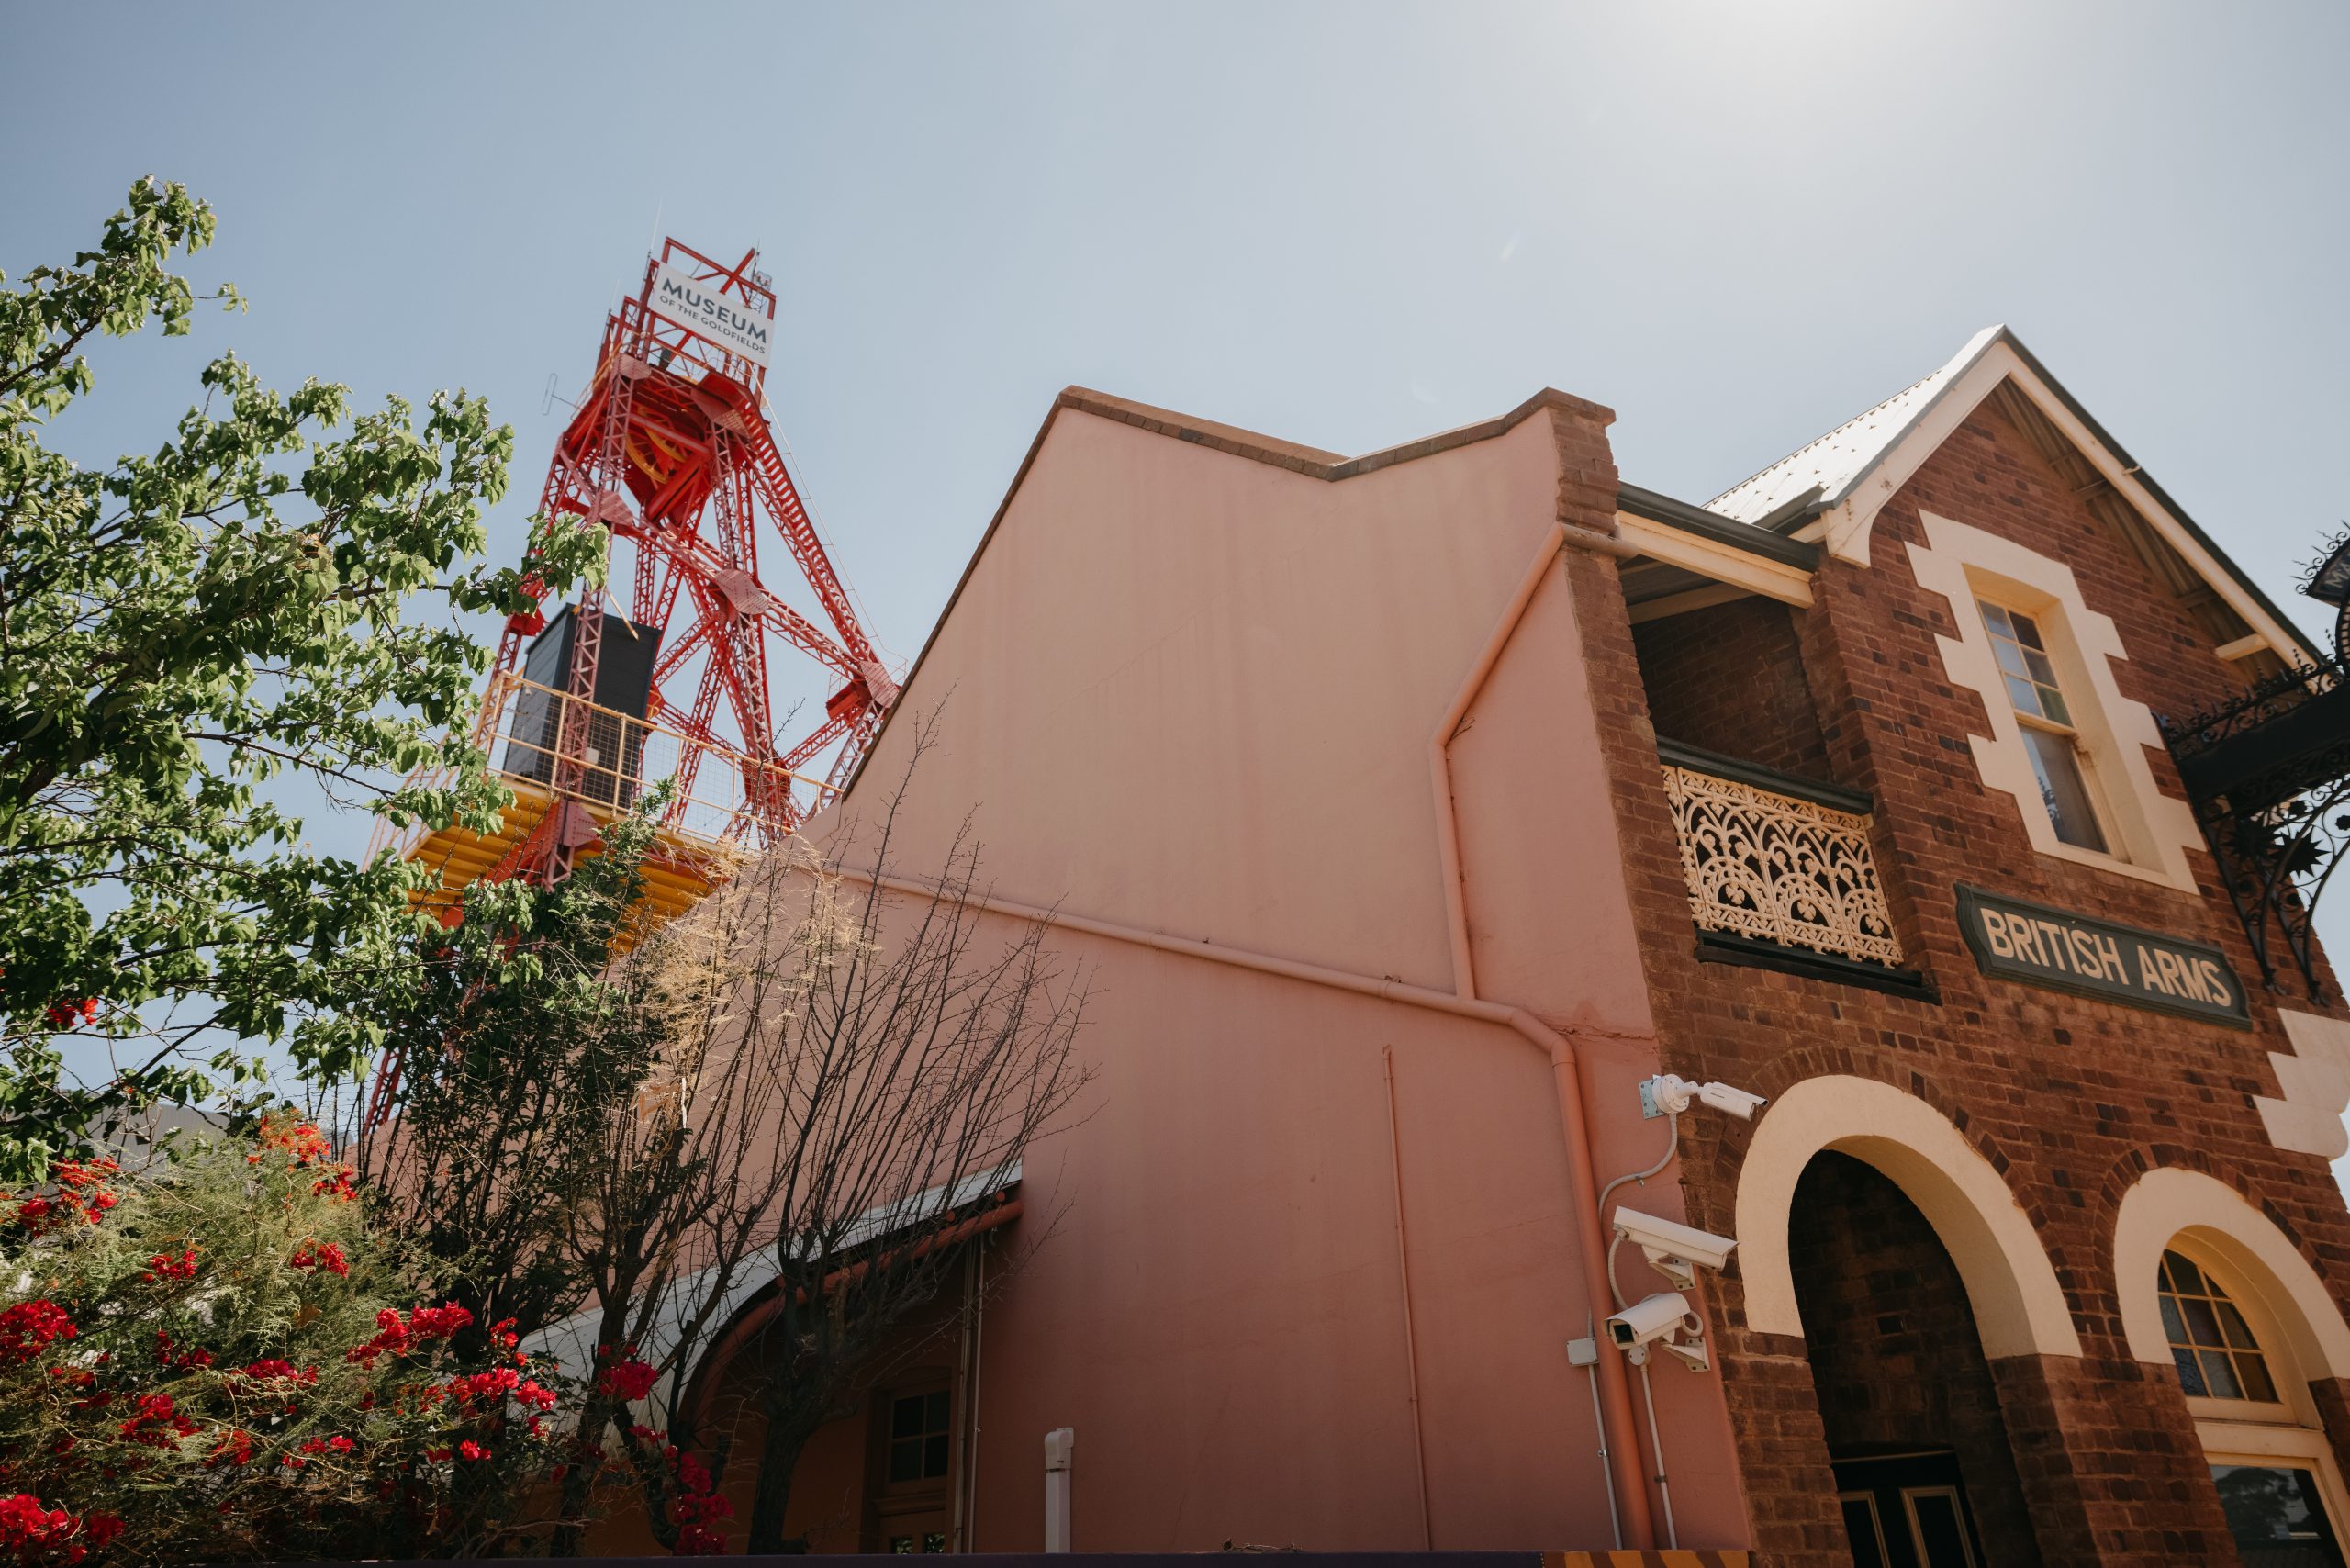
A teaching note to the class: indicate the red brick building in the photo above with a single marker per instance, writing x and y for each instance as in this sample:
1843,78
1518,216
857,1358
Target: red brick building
2110,1124
1420,815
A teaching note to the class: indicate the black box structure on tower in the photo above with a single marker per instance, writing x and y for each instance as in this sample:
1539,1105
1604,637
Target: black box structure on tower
612,759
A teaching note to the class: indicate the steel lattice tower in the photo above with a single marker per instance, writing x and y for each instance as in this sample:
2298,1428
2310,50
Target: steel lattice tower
669,450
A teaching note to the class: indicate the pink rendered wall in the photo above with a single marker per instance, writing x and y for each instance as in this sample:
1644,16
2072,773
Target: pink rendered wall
1219,1312
1193,693
1541,867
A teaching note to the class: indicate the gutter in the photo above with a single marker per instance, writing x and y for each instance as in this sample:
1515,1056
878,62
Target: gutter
1714,528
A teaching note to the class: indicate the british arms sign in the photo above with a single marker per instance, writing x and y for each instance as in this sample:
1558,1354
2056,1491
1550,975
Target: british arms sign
2039,945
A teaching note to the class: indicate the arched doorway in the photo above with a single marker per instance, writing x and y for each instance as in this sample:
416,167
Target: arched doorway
1924,1472
1876,1231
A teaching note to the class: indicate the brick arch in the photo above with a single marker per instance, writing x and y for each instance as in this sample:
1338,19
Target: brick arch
2019,1307
1789,1068
2194,1197
2132,1164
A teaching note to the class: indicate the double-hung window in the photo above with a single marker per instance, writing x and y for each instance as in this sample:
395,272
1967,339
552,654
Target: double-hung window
2045,718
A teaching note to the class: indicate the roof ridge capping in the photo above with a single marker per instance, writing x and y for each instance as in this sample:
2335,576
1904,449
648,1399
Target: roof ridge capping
1310,460
1877,444
1836,462
1314,461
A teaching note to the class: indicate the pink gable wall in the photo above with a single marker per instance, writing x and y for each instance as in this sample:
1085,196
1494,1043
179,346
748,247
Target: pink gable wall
1193,693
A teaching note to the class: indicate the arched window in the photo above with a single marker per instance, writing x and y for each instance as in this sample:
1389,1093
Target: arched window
2265,1444
2217,1356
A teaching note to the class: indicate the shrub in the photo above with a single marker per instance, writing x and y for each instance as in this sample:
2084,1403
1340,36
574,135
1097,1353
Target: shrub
219,1362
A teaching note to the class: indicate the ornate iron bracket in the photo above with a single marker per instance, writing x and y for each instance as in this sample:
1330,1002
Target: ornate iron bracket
2268,774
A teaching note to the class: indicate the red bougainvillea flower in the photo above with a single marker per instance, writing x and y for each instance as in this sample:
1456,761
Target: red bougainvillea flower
272,1370
699,1510
630,1380
396,1336
320,1255
29,1328
439,1322
31,1533
299,1138
158,1423
84,1181
162,1266
73,1014
80,1197
697,1540
696,1506
493,1384
472,1450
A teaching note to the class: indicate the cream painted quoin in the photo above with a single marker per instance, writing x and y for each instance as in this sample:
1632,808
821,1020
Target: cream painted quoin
2307,1118
2148,832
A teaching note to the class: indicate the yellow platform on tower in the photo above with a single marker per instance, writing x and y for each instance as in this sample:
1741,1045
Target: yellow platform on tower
720,805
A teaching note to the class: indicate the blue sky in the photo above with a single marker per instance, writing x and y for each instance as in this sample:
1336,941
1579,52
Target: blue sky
1343,224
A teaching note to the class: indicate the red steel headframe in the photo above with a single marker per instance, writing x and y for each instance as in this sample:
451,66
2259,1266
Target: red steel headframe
670,449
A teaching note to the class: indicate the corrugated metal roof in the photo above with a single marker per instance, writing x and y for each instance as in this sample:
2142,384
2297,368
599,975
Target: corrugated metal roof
1839,460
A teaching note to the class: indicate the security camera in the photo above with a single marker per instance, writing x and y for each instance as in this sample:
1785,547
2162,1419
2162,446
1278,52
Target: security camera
1669,1095
1738,1102
1650,1319
1672,1248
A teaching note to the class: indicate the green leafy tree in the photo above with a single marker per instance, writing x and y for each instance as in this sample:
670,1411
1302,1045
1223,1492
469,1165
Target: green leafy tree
181,628
518,1049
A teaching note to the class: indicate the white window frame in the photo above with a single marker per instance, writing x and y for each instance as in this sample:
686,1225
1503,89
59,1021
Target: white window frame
2056,645
2147,832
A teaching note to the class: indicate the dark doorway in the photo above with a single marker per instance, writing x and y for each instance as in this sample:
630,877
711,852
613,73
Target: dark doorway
1907,1510
1924,1473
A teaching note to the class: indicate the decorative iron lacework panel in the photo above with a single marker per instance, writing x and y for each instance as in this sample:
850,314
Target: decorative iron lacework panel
1776,869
